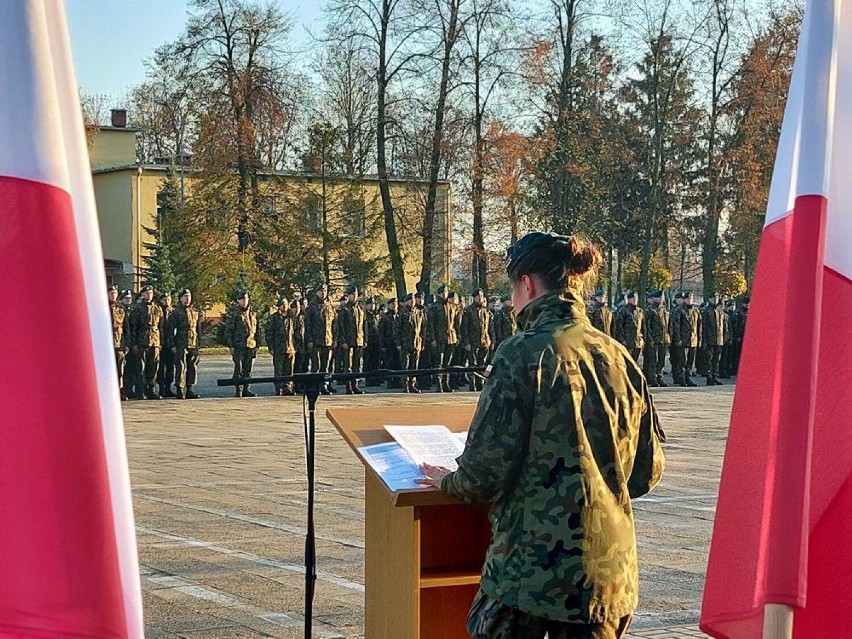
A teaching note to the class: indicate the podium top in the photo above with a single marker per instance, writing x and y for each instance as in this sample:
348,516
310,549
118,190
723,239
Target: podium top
364,426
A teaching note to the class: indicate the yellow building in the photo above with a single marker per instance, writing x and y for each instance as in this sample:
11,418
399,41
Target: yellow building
128,196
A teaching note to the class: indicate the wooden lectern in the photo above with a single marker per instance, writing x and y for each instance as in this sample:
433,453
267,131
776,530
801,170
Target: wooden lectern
424,550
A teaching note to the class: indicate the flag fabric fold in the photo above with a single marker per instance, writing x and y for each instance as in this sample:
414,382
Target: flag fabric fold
68,564
782,530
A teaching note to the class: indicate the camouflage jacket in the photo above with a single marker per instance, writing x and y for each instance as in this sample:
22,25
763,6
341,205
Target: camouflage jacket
664,314
241,328
166,340
565,434
120,325
442,323
740,325
319,323
475,327
408,329
685,327
713,326
185,327
629,326
146,319
504,326
299,333
279,334
371,328
600,316
351,326
655,330
387,330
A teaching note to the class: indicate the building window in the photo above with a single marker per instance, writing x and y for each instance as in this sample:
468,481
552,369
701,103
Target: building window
267,205
353,219
313,212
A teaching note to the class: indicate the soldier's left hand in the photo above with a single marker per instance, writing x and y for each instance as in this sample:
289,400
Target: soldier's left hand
434,475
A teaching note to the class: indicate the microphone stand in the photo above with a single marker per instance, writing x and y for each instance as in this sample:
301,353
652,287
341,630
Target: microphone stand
312,385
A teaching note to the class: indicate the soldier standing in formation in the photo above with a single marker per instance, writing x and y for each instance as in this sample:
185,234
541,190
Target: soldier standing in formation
504,322
629,328
241,335
300,361
146,320
599,313
441,319
352,336
663,348
184,330
685,336
319,333
739,331
372,351
714,335
726,363
654,337
409,341
166,369
696,338
280,341
475,335
387,342
120,332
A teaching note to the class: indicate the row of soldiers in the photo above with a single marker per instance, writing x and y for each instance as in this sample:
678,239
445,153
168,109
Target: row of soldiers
358,335
155,344
709,337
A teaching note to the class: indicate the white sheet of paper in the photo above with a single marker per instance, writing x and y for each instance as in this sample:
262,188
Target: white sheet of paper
393,465
434,445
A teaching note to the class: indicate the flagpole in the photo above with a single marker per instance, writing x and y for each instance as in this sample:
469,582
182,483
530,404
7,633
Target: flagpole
777,622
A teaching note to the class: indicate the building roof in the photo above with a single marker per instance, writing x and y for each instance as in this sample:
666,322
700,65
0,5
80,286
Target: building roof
125,129
291,174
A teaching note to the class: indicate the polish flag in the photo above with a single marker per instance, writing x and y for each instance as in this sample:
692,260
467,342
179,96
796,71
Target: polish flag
68,565
783,529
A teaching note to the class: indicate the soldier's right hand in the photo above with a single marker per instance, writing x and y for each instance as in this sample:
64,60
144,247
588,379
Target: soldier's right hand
174,349
467,347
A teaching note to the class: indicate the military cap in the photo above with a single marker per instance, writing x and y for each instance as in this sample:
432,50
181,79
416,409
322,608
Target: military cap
392,300
319,287
126,293
493,298
420,294
184,291
147,287
506,297
655,293
477,291
408,296
352,288
452,295
600,292
113,287
281,301
164,295
442,289
241,294
528,243
630,294
296,303
370,300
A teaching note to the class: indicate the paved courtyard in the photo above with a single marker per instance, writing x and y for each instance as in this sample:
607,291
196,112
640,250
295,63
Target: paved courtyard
219,494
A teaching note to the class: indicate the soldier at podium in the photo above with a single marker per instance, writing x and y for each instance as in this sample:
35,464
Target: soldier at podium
564,436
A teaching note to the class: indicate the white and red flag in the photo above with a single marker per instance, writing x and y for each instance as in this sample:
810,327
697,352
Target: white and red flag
68,565
783,529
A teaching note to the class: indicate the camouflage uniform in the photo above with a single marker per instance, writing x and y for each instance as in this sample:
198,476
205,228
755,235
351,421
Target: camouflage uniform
120,333
185,329
654,334
663,348
387,342
475,338
738,331
714,334
166,368
563,546
300,362
629,329
600,316
441,320
504,326
241,334
680,331
408,337
695,337
372,350
282,346
146,319
352,338
319,334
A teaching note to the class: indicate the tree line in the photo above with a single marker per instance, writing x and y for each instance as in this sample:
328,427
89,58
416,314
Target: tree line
650,126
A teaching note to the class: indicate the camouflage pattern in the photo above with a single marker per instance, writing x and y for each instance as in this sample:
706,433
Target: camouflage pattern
408,330
441,318
654,335
279,334
504,326
564,436
145,322
120,325
185,322
629,328
351,325
475,327
491,619
319,324
713,326
600,316
241,328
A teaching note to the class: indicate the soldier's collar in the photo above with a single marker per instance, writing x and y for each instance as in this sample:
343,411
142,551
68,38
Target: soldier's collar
563,304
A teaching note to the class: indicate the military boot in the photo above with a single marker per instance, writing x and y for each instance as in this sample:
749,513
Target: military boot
179,392
238,391
660,382
190,393
247,392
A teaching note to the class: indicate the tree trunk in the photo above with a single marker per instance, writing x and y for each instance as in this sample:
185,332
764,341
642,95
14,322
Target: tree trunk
381,163
451,34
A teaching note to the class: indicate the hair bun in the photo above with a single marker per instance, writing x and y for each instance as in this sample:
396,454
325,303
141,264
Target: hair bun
579,255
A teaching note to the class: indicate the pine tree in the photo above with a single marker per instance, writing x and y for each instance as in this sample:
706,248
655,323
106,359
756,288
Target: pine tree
159,267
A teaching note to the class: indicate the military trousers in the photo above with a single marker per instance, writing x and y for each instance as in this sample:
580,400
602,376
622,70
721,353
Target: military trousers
320,359
634,353
372,362
690,360
119,365
726,366
408,360
149,363
714,356
282,365
649,364
186,367
662,349
678,358
132,382
476,357
243,363
391,361
166,368
445,354
702,360
491,619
